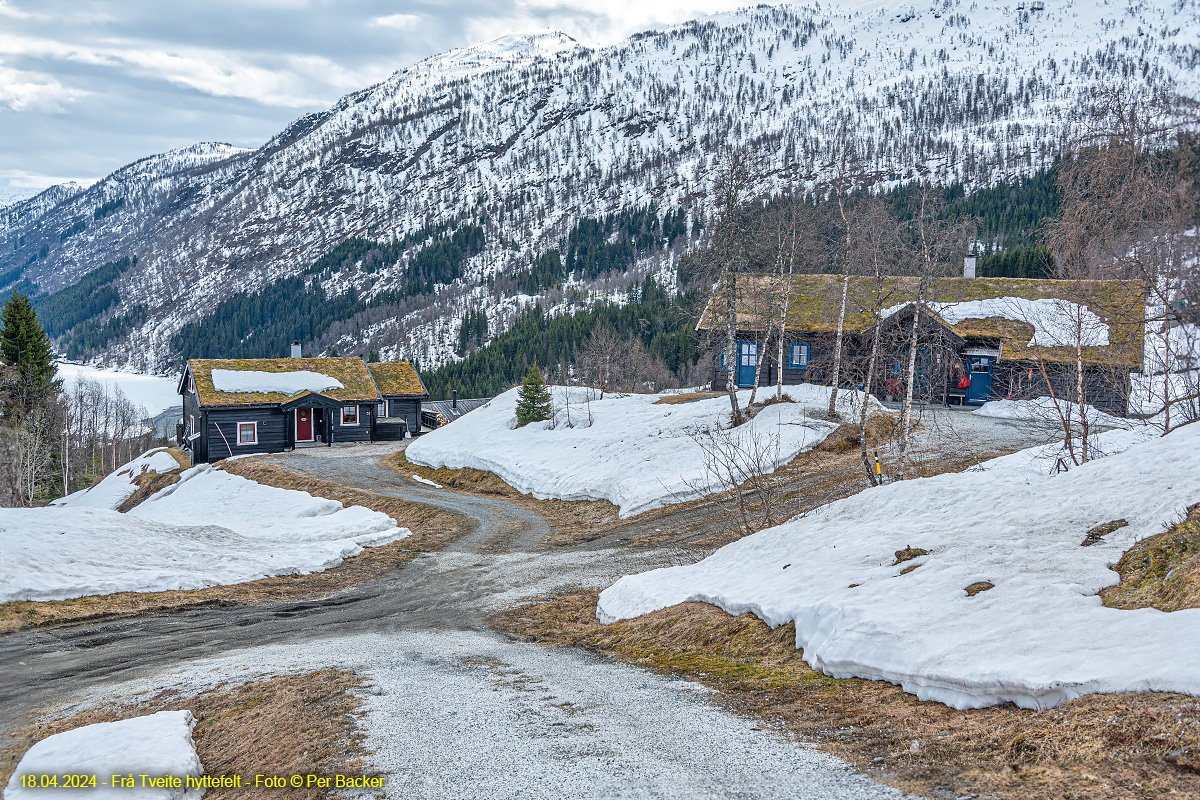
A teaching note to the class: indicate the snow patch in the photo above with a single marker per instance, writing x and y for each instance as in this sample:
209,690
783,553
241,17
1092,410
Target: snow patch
626,449
116,487
211,528
1040,637
156,745
1056,323
427,482
288,383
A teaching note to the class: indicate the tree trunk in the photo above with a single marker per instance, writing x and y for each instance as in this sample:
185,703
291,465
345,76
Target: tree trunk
837,348
906,424
731,353
862,416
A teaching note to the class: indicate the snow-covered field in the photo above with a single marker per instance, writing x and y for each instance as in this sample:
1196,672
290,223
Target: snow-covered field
154,745
1041,636
116,487
1042,409
152,392
212,528
628,450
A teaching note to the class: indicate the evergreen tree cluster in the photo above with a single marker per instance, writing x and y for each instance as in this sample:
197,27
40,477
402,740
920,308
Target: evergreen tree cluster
90,297
89,336
472,331
536,338
264,323
107,207
79,226
590,251
1034,261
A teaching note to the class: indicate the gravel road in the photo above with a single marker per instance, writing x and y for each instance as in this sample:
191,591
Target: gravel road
459,711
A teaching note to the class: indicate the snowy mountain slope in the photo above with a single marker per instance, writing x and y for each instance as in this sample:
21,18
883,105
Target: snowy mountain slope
526,134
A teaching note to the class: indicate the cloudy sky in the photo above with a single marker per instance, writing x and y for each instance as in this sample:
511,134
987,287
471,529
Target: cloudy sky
87,86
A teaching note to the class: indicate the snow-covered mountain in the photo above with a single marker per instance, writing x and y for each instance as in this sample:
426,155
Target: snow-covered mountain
526,134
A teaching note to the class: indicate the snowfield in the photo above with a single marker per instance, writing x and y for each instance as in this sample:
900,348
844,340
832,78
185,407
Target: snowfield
157,744
116,487
212,528
1042,409
635,453
1039,638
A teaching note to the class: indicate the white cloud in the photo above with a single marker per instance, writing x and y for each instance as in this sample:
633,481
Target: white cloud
401,22
27,91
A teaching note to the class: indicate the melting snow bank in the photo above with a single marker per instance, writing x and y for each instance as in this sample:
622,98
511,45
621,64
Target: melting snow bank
1043,409
212,528
626,449
1039,638
118,485
156,745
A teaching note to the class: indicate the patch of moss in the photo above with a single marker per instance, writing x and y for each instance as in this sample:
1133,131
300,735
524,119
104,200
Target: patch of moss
1097,533
1161,571
908,554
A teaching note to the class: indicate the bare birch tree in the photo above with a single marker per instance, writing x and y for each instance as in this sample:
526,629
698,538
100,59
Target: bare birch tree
728,254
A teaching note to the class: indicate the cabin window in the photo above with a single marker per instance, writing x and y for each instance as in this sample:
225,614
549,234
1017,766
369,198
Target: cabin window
191,424
749,353
381,409
191,384
247,433
979,365
349,415
799,353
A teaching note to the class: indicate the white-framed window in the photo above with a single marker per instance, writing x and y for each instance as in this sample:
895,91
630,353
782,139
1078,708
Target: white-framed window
799,355
381,409
247,433
191,384
191,424
349,415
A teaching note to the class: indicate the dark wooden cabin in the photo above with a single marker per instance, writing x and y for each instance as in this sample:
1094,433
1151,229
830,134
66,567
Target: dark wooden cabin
996,354
217,424
403,393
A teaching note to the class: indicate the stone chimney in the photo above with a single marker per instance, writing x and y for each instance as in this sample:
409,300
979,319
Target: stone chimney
295,349
969,267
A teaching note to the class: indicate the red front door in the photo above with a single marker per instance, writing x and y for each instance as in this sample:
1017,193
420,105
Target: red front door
304,425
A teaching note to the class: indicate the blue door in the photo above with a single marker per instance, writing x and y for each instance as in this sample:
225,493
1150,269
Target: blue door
980,390
747,361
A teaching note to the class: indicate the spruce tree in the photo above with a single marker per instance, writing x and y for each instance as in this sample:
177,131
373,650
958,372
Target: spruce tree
25,347
533,403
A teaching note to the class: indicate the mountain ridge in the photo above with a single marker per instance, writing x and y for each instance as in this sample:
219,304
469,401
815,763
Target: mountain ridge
525,135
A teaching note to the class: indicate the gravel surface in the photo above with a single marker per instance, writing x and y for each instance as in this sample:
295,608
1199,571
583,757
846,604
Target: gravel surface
467,714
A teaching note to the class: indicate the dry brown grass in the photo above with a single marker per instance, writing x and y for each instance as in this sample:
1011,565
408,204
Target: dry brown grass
286,725
686,397
1161,571
432,528
1143,745
150,482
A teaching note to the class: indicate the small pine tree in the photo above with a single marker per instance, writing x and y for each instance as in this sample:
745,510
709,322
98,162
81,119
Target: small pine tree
533,403
24,346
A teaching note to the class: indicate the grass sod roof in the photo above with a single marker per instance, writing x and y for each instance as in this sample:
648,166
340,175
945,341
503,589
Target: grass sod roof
350,372
815,300
397,378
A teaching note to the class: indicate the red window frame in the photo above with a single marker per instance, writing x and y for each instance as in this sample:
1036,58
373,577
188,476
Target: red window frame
253,426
